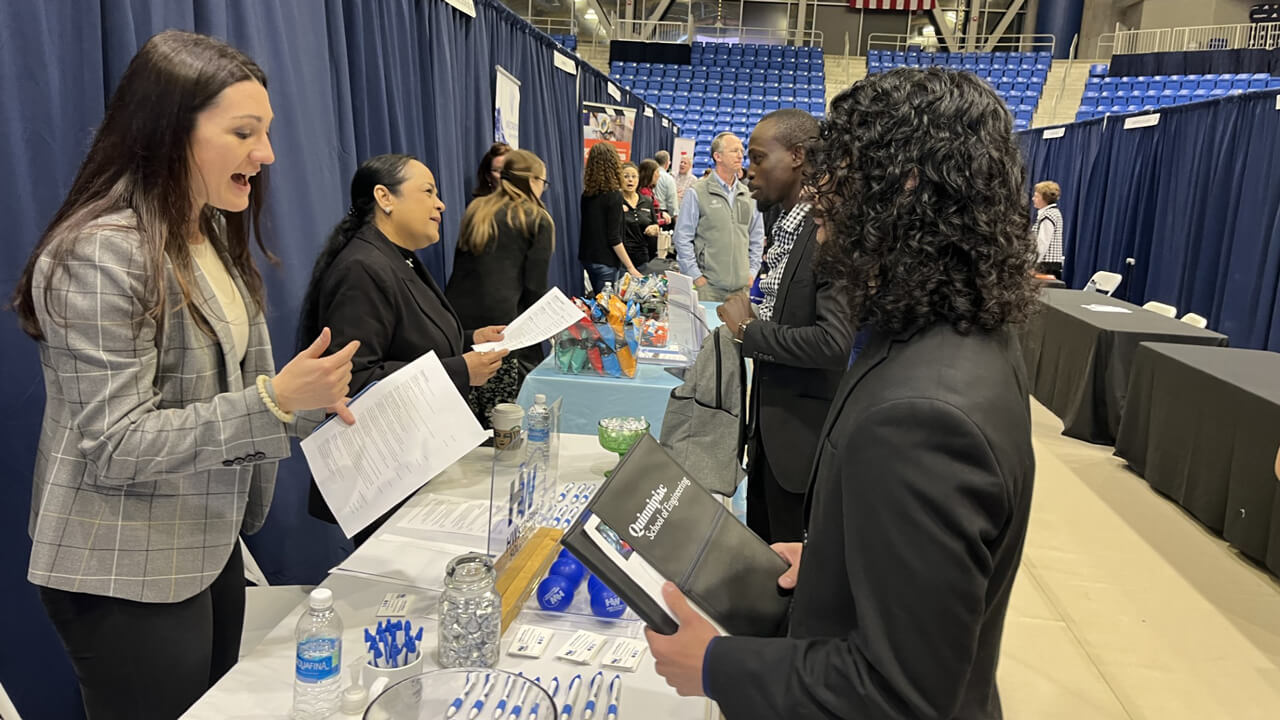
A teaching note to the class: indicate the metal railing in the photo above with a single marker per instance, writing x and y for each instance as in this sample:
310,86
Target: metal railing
1109,41
555,26
651,31
1260,36
761,35
998,43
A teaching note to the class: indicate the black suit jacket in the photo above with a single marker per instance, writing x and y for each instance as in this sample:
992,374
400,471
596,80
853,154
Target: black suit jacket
800,356
397,312
916,517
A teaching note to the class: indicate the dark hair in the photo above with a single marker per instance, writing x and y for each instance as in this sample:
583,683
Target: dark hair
386,170
484,183
140,161
602,171
648,172
920,186
792,128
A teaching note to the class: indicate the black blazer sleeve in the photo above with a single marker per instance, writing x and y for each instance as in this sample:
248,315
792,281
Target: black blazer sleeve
925,500
356,306
537,261
613,219
825,344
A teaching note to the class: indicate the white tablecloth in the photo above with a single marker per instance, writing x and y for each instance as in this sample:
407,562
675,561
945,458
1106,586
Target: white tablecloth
261,685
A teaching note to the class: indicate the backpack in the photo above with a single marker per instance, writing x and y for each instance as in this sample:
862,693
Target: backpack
704,427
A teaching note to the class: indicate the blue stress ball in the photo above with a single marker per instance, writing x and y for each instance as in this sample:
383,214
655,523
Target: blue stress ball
570,569
595,585
564,553
606,604
555,593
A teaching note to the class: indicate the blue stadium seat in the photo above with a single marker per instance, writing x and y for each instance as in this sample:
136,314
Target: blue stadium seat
1098,70
1258,81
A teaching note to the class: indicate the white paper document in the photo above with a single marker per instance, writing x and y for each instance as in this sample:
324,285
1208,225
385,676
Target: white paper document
409,427
552,313
450,515
1106,308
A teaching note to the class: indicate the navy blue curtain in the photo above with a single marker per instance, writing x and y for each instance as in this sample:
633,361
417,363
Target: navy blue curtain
1193,201
348,79
1196,62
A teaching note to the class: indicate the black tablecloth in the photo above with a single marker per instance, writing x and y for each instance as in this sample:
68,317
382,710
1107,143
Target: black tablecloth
1079,359
1202,425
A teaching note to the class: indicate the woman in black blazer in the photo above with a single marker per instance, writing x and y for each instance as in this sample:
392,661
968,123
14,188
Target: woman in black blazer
369,284
500,267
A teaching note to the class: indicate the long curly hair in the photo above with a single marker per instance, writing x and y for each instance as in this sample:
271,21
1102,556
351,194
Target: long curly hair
919,185
603,170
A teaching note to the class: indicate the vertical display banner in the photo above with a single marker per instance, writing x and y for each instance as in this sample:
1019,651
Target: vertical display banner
608,123
684,147
506,108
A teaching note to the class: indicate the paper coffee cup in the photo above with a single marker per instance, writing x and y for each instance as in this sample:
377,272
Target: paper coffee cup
506,419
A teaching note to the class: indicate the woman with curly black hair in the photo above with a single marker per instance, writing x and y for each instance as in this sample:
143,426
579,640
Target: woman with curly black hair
918,503
600,248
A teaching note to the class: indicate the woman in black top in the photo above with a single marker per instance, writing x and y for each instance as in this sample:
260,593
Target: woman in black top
489,174
600,247
369,284
639,223
500,267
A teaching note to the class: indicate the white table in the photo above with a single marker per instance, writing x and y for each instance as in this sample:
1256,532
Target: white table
261,685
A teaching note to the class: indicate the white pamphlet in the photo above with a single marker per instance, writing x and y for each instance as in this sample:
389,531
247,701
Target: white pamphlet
1106,308
409,427
448,514
552,313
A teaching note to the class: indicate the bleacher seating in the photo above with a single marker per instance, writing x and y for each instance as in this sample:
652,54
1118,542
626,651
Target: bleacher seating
728,87
568,42
1120,95
1018,77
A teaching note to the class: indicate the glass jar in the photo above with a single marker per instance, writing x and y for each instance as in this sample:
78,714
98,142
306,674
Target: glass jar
470,614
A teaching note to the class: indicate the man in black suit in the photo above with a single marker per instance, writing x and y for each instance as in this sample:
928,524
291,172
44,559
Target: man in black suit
799,337
920,496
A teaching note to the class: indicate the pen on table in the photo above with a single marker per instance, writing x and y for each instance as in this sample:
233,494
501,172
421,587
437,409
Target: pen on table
515,711
593,694
571,697
615,694
456,705
502,703
484,695
555,689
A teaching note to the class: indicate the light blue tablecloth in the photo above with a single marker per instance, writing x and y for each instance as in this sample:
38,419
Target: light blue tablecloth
587,398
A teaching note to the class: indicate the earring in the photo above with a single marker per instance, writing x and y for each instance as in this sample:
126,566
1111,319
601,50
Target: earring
386,210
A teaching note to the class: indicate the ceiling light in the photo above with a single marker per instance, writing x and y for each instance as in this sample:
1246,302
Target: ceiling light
591,14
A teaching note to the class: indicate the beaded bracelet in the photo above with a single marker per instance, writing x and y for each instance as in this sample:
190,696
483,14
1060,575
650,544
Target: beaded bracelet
284,417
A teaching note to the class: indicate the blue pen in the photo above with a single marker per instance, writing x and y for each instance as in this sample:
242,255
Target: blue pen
502,703
593,693
555,690
615,694
571,697
456,705
376,652
515,711
484,695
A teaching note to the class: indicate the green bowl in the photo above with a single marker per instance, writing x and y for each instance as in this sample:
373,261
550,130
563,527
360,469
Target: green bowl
619,441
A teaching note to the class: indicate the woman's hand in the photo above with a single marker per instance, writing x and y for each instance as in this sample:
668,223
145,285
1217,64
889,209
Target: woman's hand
482,365
652,230
635,273
311,381
492,333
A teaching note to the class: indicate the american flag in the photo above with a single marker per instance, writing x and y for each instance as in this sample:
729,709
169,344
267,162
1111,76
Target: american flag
892,4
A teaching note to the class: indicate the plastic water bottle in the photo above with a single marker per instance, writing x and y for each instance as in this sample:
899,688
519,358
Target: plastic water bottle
538,463
317,680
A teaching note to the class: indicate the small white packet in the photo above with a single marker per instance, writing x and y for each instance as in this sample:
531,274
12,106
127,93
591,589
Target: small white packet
394,605
582,648
625,654
530,642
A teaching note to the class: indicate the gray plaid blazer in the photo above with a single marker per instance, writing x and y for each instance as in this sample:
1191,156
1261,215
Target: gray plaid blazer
155,452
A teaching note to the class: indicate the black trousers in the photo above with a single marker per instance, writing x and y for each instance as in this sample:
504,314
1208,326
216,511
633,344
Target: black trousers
773,512
1050,268
150,661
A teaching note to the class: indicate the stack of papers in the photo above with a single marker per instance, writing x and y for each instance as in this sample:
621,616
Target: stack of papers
552,313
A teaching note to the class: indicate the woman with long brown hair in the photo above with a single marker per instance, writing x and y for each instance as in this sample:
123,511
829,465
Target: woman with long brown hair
163,423
500,267
600,248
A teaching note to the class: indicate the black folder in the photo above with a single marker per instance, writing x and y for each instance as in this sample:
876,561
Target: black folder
650,507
